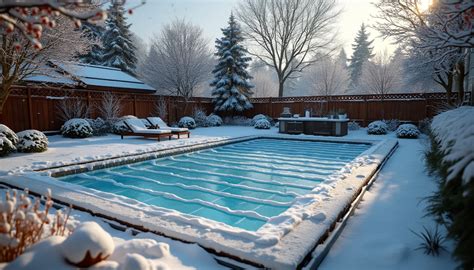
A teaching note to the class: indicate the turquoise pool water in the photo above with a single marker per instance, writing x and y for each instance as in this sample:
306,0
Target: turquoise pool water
242,184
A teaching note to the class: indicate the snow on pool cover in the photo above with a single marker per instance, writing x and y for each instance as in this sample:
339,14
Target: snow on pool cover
242,184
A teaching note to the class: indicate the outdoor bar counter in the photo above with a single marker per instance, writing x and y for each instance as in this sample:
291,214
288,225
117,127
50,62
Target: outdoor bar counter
313,126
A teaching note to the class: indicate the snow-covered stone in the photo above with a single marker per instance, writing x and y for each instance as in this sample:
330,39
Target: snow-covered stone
119,126
6,146
187,122
32,141
214,120
407,131
9,134
87,245
262,124
454,131
377,128
77,128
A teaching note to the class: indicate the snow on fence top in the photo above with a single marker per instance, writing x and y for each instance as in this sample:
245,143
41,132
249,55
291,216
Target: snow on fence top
454,130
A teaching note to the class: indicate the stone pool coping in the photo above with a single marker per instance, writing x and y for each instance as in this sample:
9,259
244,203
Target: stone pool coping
294,248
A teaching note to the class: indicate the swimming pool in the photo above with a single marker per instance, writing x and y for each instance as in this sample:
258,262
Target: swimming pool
242,185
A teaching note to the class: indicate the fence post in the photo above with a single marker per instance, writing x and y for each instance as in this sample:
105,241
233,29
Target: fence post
30,109
271,107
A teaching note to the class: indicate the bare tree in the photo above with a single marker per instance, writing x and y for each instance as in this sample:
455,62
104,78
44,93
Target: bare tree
179,60
382,76
287,33
328,77
161,107
110,107
61,43
72,107
265,81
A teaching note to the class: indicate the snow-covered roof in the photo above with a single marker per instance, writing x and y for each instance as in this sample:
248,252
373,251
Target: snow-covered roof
90,76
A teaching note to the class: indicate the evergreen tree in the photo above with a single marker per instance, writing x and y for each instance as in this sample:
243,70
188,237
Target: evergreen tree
342,58
93,33
362,53
118,50
231,84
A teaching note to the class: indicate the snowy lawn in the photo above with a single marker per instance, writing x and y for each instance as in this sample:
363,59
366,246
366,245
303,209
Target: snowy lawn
377,236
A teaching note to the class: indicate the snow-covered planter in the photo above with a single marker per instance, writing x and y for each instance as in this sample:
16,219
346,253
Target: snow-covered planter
262,124
119,126
8,133
353,125
77,128
99,126
260,116
377,128
187,122
214,120
6,146
87,245
32,141
407,131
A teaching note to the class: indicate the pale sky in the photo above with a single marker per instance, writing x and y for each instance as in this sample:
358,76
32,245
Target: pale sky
212,15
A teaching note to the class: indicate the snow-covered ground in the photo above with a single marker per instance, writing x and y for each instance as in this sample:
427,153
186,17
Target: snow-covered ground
377,236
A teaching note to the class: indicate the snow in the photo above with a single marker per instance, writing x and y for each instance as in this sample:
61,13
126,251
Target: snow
407,131
8,133
377,128
454,131
187,122
262,124
364,242
32,141
77,128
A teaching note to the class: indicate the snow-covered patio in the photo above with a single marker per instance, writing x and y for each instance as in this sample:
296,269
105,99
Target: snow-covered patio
377,236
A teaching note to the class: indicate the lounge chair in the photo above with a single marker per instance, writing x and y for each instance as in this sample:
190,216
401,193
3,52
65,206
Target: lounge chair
159,123
137,128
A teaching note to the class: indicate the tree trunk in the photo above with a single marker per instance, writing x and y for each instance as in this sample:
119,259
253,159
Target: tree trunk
5,90
460,77
281,86
449,88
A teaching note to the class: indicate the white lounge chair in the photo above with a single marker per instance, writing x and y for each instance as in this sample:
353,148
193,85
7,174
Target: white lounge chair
137,128
158,122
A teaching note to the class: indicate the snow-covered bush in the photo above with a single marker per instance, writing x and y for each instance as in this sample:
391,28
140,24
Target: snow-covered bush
262,124
214,120
424,126
353,125
8,133
77,128
260,116
238,121
6,146
119,126
187,122
199,116
99,126
32,141
451,160
407,131
377,128
87,245
392,124
23,223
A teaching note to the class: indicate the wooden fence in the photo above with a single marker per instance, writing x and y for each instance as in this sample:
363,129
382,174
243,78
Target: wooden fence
37,108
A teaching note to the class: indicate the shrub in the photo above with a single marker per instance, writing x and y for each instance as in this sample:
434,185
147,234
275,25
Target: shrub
377,128
199,116
424,126
392,124
187,122
432,241
8,133
119,126
353,125
260,116
214,120
99,126
407,131
262,124
77,128
6,146
32,141
238,121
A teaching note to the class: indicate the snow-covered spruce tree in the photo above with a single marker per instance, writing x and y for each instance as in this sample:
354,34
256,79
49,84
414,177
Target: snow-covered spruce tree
93,32
362,47
232,87
118,48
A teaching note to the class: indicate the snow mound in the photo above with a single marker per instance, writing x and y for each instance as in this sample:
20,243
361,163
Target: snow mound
214,120
258,117
87,245
454,131
262,124
8,133
6,146
77,128
187,122
377,128
119,126
32,141
407,131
